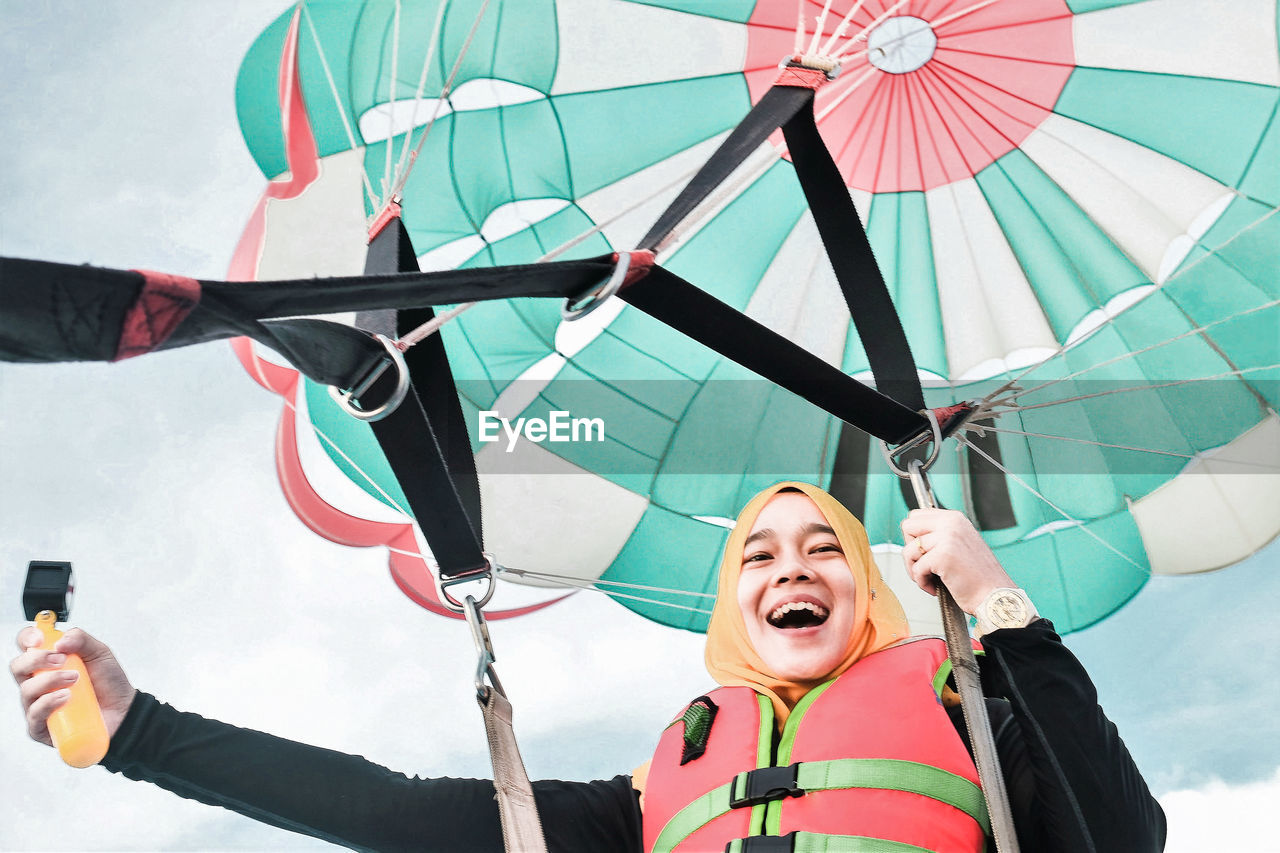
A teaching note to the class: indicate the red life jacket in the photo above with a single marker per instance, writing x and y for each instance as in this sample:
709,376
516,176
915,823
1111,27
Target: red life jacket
869,755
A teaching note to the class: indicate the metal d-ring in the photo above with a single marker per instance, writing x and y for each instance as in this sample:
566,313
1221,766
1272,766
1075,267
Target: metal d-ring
577,309
935,435
485,572
346,400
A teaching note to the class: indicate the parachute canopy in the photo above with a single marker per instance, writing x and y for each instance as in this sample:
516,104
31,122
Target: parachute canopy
1072,205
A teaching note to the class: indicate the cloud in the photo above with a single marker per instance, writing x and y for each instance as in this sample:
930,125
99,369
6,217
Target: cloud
1222,818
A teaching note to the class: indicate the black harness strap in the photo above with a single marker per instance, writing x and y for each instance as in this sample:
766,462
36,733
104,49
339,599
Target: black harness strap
665,296
414,452
772,111
789,105
845,238
425,439
63,312
408,289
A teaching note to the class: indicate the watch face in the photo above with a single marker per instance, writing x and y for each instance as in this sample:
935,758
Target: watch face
1008,609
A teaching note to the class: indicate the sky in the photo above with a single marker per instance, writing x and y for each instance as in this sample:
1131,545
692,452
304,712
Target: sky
155,478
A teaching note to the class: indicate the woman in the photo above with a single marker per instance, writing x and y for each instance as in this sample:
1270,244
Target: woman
801,605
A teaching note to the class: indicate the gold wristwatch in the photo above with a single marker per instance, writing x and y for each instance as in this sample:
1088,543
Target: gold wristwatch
1005,607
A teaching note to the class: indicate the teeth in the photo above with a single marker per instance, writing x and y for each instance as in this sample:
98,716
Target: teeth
815,609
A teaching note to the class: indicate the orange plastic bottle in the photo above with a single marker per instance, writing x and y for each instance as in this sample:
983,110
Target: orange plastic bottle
77,728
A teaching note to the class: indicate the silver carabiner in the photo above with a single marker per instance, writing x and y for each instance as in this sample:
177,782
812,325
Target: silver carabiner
484,649
920,485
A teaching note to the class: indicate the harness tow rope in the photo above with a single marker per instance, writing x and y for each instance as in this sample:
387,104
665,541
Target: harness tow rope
964,668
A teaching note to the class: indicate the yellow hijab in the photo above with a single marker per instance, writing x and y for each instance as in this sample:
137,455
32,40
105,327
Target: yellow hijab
878,617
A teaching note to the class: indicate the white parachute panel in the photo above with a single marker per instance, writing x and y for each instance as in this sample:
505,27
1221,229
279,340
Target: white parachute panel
631,44
552,521
1143,200
1223,39
320,232
1219,510
988,307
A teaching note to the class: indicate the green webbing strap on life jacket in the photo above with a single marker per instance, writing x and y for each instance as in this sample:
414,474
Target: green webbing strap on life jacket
944,672
813,842
894,775
693,817
838,774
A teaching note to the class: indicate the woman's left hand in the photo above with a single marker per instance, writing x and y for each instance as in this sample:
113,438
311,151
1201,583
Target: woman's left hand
943,543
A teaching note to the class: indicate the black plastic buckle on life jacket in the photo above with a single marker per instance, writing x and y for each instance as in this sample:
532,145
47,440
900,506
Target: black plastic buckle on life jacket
763,785
763,844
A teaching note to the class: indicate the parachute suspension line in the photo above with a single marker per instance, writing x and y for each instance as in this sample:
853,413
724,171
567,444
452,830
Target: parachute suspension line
355,466
431,326
843,52
843,29
946,19
422,332
1230,362
1172,383
679,230
597,228
832,50
444,94
729,189
799,45
1012,384
976,428
1066,515
620,596
374,202
602,582
391,99
417,95
589,586
407,553
817,27
1188,333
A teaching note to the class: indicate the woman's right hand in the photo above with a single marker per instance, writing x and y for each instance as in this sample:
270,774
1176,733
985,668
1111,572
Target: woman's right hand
43,688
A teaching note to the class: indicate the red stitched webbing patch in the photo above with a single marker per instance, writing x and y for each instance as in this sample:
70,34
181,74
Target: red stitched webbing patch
946,414
803,78
388,213
641,263
164,302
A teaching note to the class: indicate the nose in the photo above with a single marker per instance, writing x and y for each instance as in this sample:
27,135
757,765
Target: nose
790,567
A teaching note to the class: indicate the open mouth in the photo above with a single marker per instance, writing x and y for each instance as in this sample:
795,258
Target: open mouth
798,614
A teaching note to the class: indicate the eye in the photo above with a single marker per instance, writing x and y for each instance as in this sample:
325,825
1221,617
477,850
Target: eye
827,546
758,557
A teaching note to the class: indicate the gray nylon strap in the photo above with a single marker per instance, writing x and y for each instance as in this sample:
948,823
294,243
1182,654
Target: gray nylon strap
964,668
521,826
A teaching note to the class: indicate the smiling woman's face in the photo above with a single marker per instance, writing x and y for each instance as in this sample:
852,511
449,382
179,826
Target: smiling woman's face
796,591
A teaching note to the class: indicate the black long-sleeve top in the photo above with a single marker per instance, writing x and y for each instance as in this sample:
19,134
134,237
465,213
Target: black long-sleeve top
1072,784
